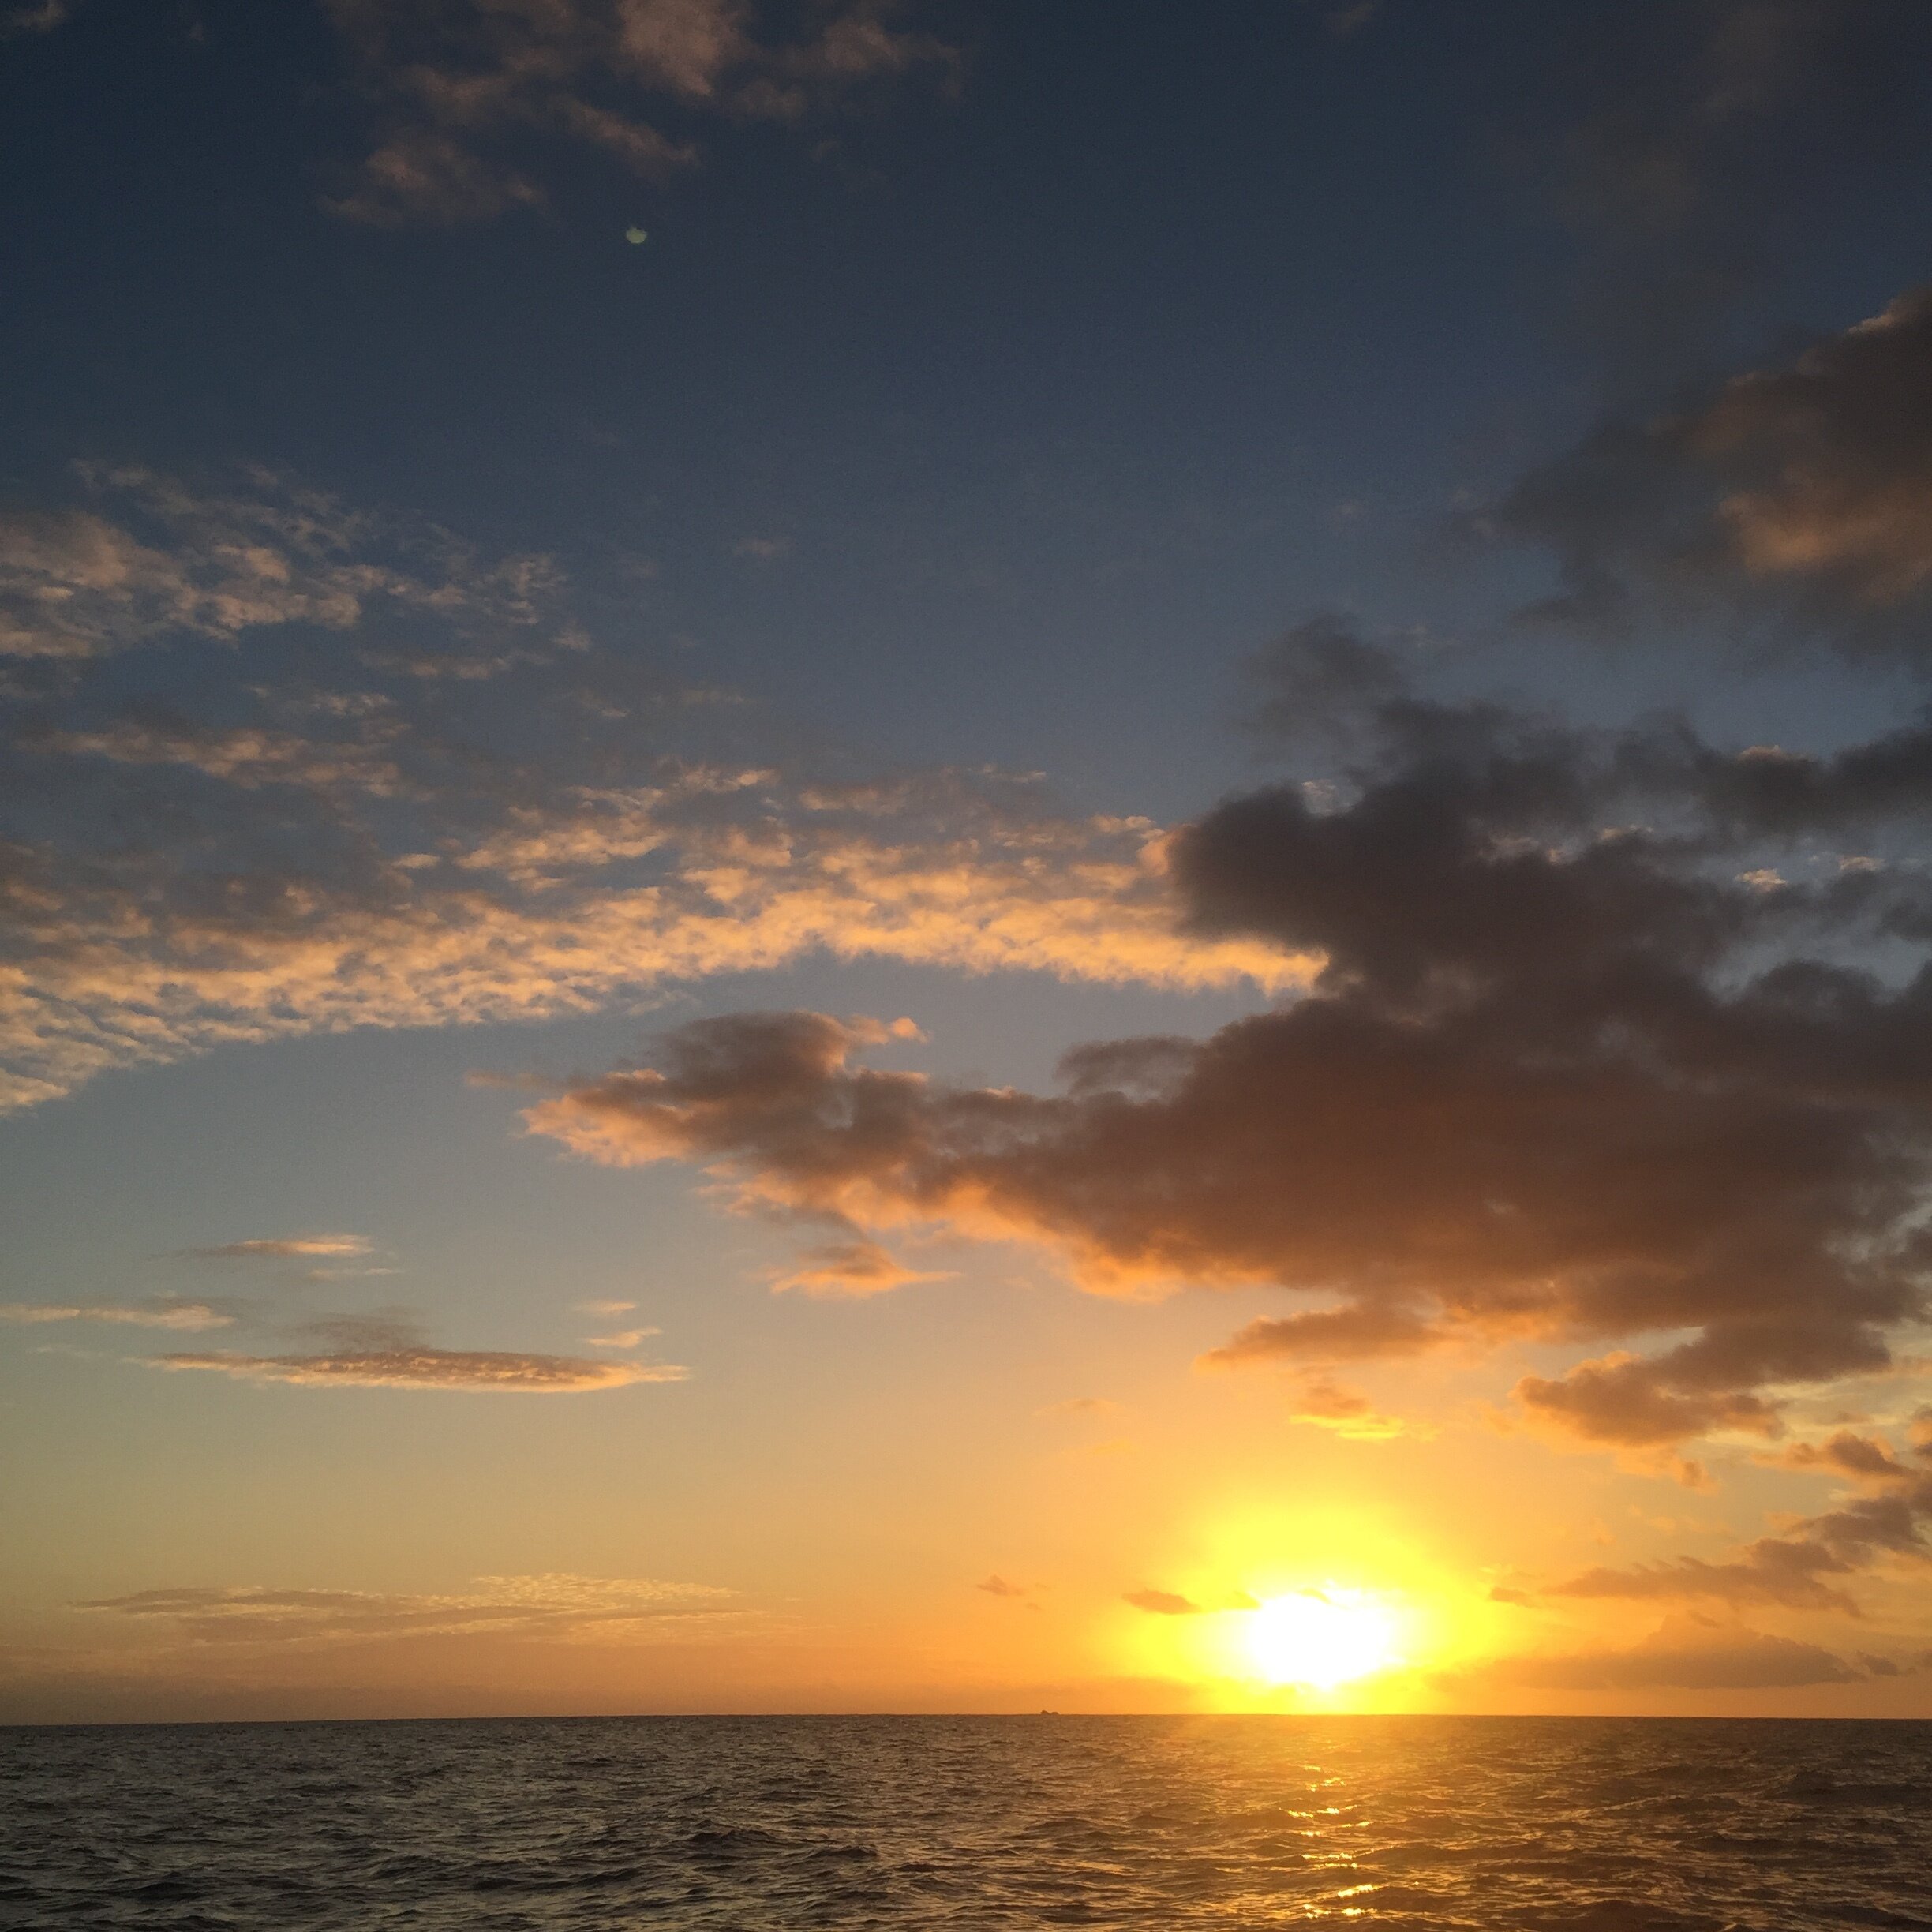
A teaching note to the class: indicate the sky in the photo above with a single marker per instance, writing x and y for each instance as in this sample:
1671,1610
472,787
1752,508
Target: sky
965,856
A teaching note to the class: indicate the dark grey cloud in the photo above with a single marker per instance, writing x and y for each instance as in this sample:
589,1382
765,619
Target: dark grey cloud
1580,1065
1793,502
1689,148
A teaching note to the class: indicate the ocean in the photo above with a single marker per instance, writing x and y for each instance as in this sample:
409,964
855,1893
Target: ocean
755,1824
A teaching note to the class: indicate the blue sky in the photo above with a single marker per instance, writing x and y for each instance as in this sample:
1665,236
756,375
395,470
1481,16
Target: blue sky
456,652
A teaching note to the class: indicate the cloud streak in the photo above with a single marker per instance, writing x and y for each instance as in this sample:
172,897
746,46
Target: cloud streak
554,1606
487,1371
186,1316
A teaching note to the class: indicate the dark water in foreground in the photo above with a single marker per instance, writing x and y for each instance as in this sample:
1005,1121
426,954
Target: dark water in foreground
749,1823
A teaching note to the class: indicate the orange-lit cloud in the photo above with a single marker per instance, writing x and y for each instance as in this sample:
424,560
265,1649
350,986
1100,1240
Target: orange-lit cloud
180,1314
835,1269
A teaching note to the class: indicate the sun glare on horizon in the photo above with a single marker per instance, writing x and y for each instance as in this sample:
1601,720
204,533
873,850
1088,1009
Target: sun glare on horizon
1322,1639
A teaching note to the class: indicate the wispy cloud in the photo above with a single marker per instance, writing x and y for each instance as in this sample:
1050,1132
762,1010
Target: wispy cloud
290,1247
553,1605
459,82
845,1270
179,1314
488,1370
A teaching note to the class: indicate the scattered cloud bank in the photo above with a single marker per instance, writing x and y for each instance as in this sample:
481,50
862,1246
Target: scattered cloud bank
489,1370
345,857
146,559
1811,1564
594,1608
458,86
1683,1654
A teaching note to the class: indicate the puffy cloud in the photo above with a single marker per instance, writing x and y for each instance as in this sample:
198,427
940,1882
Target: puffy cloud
187,1316
556,1605
419,1368
1558,1077
1799,494
453,78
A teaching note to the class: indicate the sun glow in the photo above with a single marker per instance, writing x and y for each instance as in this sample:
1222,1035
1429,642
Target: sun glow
1322,1639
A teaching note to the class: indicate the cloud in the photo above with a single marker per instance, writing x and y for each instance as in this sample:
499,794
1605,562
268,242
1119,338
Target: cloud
35,17
998,1586
603,1308
1359,1330
406,878
1796,498
1684,147
1324,1404
623,1339
1083,1405
294,1247
846,1269
1163,1603
174,562
1808,1567
179,1314
557,1605
1562,1076
486,1369
456,81
1681,1655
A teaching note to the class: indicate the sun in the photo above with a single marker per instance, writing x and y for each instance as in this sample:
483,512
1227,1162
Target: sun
1321,1638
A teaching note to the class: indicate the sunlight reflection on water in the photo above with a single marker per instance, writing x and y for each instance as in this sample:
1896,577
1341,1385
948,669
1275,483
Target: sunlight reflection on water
1605,1825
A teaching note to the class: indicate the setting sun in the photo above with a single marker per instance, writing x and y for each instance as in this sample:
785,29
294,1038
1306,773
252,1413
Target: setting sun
1321,1638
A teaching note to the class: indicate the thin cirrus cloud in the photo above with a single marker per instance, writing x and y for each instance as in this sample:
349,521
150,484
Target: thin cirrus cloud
457,83
485,1371
185,1316
558,1606
287,1247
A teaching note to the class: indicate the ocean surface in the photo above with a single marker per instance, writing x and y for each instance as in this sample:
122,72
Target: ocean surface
1611,1826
